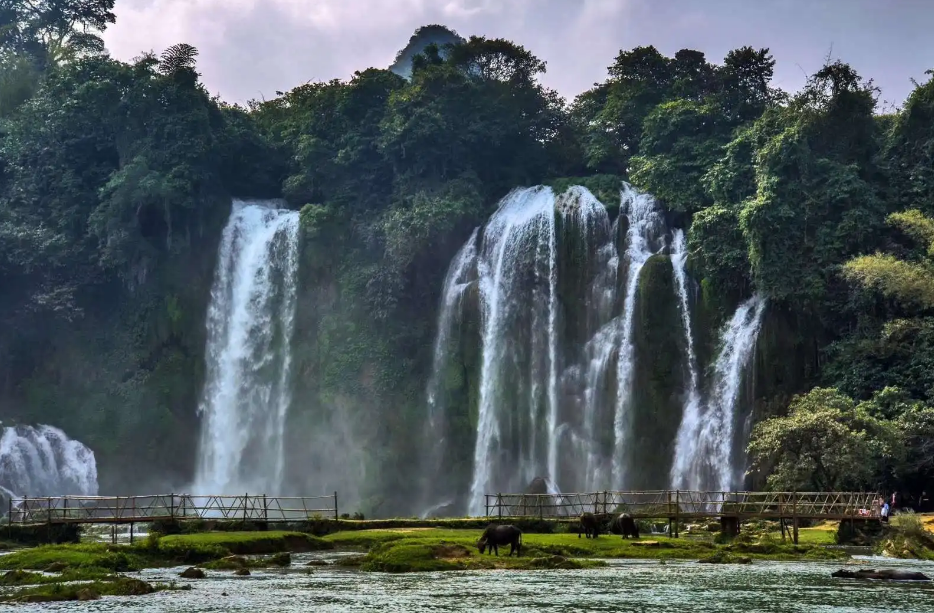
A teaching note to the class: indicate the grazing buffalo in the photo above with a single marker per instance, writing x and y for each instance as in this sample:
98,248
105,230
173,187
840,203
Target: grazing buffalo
589,525
881,575
494,536
625,525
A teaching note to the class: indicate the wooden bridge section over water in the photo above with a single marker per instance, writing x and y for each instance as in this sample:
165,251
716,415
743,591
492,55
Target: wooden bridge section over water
680,506
168,507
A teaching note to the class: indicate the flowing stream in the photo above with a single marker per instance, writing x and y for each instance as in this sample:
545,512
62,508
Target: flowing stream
250,323
625,586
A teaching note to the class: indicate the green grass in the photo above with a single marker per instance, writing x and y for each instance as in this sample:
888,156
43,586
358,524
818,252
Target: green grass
418,550
98,556
57,592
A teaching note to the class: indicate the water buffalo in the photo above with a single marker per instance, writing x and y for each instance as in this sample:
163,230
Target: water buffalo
881,575
494,536
625,525
589,525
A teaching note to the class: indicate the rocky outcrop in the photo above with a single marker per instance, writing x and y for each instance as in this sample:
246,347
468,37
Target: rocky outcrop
886,574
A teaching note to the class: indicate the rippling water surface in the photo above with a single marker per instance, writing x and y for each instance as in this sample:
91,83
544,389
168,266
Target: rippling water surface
624,586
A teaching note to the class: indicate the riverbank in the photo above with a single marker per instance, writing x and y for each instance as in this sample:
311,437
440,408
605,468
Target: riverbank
48,572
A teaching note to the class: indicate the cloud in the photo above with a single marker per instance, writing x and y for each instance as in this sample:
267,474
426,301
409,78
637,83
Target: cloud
252,48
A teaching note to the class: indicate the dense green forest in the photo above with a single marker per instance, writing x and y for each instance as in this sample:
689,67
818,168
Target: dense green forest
116,179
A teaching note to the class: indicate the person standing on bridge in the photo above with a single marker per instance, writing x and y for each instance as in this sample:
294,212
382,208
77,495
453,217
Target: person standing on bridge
885,512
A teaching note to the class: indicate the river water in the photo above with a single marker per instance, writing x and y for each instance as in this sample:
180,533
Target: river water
622,587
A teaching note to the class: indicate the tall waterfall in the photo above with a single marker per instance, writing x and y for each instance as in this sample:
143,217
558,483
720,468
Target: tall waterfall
704,457
43,461
250,323
461,274
518,373
645,227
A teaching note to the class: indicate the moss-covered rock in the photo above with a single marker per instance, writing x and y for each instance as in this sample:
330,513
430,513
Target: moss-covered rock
659,377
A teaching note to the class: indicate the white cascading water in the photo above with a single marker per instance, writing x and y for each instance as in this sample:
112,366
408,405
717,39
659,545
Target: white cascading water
590,218
691,416
645,227
43,461
704,457
461,273
518,243
250,323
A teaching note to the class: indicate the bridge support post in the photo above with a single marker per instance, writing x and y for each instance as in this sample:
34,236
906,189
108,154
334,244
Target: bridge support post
677,512
131,533
729,526
794,517
335,506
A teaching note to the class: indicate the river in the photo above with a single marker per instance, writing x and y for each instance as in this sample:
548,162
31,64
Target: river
621,587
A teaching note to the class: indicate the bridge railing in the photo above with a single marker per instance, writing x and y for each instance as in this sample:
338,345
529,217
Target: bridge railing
126,509
687,504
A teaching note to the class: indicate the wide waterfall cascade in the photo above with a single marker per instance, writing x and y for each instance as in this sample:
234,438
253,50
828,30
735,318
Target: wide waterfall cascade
552,291
248,356
704,457
43,461
518,243
644,233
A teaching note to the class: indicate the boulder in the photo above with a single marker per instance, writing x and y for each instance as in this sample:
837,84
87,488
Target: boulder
192,573
887,574
281,559
242,572
88,594
56,567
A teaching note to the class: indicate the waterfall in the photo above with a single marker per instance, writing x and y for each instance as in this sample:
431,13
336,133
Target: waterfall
690,421
584,214
43,461
704,449
461,273
248,356
645,226
517,283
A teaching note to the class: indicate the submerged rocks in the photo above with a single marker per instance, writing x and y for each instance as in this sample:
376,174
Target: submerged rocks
723,557
281,559
192,573
887,574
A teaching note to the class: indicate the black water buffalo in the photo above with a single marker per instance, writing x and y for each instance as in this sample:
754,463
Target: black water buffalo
494,536
625,525
589,525
881,575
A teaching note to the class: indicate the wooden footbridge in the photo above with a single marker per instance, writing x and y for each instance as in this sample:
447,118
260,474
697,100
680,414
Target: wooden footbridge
680,506
168,507
675,506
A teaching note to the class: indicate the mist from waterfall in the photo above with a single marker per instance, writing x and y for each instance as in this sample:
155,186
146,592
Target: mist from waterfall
704,457
43,461
248,356
645,229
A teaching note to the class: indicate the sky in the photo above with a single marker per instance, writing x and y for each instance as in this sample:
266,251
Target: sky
249,49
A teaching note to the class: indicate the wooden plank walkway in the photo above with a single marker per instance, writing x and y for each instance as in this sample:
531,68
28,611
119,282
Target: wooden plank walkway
167,507
690,505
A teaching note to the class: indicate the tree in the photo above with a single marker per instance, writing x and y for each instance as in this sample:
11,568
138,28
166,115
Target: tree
825,443
909,282
49,31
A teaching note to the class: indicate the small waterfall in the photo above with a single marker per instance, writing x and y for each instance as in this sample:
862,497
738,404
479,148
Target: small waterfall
248,356
517,275
645,228
704,448
461,273
43,461
691,418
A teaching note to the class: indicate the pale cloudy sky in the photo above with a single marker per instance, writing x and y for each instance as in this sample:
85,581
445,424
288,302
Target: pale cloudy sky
251,48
